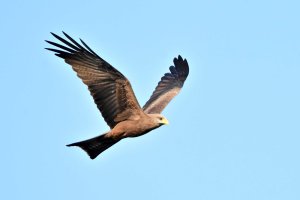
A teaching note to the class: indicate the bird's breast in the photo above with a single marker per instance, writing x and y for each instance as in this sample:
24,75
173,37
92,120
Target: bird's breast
134,128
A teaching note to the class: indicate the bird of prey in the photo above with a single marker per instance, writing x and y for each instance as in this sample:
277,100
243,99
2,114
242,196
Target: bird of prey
114,97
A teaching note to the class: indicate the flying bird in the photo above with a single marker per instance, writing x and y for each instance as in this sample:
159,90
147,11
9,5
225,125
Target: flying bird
114,97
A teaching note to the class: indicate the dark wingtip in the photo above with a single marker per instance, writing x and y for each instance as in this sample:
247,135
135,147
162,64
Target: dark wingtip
180,59
65,34
181,67
54,34
49,42
177,59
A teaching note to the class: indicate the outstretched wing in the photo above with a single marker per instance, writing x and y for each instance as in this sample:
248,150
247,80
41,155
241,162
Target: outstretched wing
168,87
110,89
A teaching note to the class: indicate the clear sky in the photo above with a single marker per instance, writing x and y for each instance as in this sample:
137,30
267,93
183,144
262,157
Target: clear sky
234,129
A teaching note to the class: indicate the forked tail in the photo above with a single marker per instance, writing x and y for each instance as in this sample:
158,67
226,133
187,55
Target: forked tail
96,145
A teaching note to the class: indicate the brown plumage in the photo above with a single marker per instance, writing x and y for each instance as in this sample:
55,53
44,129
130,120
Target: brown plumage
114,96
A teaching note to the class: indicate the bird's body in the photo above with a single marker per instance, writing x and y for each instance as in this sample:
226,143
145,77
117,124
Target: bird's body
115,98
136,127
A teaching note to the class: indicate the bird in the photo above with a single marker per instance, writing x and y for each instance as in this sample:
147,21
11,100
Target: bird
114,96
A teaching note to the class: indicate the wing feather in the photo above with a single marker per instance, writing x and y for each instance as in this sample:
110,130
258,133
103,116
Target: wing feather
110,89
168,87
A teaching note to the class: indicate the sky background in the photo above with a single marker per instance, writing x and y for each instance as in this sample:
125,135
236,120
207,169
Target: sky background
234,129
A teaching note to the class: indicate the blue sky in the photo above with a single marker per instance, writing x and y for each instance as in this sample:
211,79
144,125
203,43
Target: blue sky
234,128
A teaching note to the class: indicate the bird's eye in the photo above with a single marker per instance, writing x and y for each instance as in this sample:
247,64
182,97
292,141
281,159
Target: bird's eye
160,118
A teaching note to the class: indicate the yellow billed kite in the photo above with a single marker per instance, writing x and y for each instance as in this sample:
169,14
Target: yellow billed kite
114,96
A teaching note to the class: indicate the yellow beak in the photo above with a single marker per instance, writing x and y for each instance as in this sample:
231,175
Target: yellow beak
165,121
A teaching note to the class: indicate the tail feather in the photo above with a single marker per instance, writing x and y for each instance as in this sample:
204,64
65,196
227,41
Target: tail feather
94,146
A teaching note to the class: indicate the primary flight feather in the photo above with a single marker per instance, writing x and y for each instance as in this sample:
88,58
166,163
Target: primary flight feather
114,96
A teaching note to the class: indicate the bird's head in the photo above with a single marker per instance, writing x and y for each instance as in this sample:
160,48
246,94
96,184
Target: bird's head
159,119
